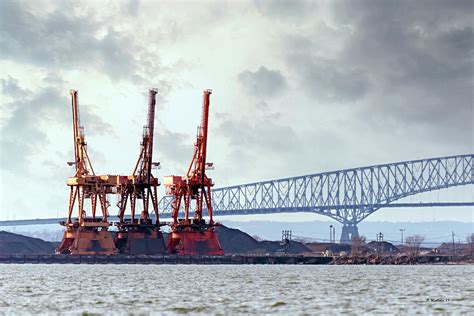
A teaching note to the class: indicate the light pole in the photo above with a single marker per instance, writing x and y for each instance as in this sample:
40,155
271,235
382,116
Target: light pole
453,241
402,230
330,234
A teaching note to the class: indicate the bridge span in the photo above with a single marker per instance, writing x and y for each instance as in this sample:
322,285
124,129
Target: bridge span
348,196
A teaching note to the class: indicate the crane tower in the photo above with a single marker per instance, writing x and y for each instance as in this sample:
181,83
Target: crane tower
194,236
86,235
141,235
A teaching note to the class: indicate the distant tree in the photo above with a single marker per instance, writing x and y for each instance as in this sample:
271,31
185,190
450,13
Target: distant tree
470,241
413,243
357,243
257,238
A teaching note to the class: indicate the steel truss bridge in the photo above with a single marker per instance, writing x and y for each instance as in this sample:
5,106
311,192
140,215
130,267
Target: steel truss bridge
348,196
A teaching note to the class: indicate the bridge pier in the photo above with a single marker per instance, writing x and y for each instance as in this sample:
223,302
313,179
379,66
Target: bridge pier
349,231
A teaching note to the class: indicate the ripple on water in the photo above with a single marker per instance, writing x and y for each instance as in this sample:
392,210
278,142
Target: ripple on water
229,289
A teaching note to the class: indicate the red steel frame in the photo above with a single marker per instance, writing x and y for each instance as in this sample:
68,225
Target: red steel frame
142,184
141,236
86,235
187,234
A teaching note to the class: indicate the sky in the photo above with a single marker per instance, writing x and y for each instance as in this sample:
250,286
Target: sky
298,87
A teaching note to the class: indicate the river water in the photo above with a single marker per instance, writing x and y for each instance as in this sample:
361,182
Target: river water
235,289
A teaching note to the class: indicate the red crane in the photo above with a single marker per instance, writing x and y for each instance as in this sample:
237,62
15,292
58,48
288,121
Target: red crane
86,235
141,235
194,236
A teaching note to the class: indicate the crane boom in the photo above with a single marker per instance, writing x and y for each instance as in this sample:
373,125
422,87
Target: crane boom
204,128
80,146
151,129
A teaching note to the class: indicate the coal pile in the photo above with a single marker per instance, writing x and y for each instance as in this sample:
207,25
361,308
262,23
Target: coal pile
11,243
235,241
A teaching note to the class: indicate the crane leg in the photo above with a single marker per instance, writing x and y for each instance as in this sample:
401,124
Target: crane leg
80,197
207,195
176,207
146,202
154,199
199,200
187,199
94,205
103,206
133,199
123,206
72,200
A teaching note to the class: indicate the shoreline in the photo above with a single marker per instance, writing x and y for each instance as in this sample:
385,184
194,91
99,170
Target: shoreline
237,259
163,259
375,259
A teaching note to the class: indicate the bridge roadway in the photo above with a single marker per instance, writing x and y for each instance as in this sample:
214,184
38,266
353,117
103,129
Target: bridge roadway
348,196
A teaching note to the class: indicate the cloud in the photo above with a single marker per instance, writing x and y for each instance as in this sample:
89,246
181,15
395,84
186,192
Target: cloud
263,82
131,7
24,133
256,146
421,61
63,39
406,67
174,148
21,134
11,88
285,9
329,80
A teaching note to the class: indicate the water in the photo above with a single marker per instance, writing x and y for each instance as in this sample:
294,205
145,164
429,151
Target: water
235,289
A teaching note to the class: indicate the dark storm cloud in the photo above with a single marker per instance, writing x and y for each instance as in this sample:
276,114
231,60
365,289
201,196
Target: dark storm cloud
263,82
22,134
411,43
330,80
421,56
408,64
63,40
